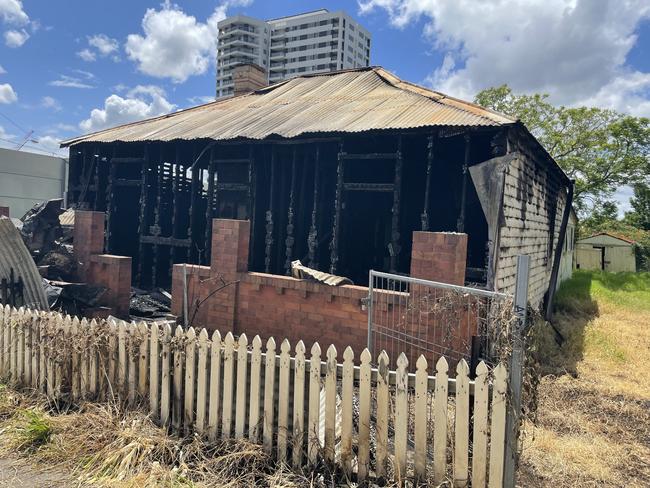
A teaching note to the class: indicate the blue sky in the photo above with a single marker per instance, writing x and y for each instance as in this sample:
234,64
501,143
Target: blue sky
71,66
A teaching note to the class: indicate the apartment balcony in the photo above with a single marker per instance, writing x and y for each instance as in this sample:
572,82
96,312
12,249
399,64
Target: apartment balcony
238,52
244,41
238,29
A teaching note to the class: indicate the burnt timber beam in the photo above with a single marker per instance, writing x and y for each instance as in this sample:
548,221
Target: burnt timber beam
377,187
336,224
268,239
252,191
142,222
96,178
290,226
424,218
209,209
193,212
166,241
109,203
155,230
394,244
358,156
463,196
312,238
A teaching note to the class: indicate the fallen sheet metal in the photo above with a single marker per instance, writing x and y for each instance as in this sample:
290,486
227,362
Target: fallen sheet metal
300,271
14,255
41,227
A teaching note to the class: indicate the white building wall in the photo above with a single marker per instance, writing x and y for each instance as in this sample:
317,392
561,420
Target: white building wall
27,178
308,43
618,256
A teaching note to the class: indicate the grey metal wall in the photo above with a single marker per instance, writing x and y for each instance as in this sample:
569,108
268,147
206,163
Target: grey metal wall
27,178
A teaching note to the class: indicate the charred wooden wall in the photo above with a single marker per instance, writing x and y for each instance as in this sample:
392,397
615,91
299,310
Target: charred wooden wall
535,196
342,204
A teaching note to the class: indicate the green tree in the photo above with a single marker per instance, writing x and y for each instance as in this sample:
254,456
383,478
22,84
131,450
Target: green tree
603,215
640,214
600,149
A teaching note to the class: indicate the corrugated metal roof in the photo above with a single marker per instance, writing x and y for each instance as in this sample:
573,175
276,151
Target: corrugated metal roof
345,101
14,255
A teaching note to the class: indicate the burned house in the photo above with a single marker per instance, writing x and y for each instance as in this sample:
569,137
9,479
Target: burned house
335,169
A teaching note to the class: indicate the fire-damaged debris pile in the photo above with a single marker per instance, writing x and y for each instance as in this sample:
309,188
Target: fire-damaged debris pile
50,247
74,298
154,304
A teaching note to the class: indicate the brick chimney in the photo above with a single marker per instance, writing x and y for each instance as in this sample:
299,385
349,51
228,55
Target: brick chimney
248,77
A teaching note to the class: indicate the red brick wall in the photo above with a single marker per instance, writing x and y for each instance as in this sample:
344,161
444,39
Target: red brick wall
439,256
285,307
88,235
278,306
114,273
229,256
199,285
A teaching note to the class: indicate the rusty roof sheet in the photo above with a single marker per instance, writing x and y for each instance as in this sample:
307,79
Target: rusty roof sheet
344,101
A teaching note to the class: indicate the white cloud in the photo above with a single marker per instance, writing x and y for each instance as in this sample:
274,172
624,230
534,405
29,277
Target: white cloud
100,45
16,38
12,12
141,102
87,55
175,45
104,44
50,103
200,100
5,137
7,93
573,49
67,81
2,70
50,144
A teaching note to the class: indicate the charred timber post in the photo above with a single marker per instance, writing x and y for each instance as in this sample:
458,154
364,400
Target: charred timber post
98,160
156,227
394,243
427,188
290,239
312,239
336,226
176,183
252,190
209,209
142,222
193,214
109,203
463,196
268,239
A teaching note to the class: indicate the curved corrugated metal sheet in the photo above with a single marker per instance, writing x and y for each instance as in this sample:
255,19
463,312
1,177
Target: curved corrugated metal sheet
346,101
14,254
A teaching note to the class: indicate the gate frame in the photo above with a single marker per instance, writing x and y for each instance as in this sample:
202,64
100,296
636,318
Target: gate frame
521,326
419,281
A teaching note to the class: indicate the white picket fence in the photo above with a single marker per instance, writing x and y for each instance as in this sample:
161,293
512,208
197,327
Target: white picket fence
368,422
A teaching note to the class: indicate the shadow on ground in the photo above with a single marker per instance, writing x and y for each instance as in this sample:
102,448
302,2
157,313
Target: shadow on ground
560,344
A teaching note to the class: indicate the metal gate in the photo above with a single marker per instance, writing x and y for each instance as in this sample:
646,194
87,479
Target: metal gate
420,317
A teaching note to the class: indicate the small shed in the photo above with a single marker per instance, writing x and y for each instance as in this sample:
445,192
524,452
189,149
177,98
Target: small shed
606,252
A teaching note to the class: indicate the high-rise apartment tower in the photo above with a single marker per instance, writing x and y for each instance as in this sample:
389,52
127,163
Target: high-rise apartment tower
312,42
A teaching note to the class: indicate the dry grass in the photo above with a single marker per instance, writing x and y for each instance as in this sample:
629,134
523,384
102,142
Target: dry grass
593,419
103,446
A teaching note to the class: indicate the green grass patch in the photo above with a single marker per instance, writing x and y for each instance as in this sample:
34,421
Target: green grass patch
586,288
34,429
603,345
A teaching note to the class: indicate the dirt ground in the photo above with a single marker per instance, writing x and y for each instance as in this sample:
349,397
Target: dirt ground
17,473
593,419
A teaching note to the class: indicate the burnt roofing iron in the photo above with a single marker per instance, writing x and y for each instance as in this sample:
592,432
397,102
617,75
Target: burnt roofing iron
348,101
